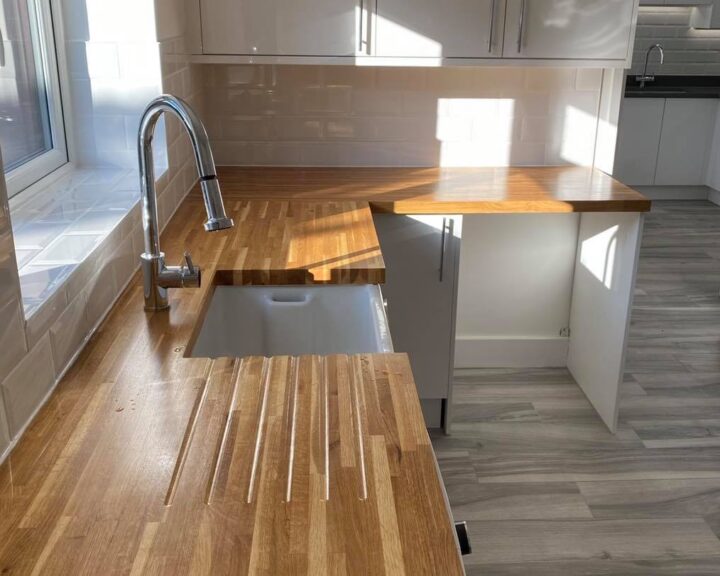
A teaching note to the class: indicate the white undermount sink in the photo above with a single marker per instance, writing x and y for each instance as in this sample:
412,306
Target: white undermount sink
293,320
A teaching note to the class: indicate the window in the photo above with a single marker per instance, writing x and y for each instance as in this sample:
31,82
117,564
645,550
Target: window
32,134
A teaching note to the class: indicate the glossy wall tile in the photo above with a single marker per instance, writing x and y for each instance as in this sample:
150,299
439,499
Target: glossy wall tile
13,345
348,116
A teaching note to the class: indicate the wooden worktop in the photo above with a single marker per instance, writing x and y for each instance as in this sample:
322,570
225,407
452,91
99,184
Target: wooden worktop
298,242
145,461
442,190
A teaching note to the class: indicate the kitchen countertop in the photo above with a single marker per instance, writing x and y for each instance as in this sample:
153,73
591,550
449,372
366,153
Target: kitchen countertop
442,190
674,87
148,461
295,243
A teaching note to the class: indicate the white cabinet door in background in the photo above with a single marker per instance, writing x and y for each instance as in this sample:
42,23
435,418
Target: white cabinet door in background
638,140
279,27
569,29
685,142
432,29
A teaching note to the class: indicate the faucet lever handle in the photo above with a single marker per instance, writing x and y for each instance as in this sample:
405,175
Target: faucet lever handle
188,262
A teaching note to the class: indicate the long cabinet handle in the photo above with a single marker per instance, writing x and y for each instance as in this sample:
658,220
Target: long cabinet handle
448,229
521,28
362,27
362,9
491,40
2,50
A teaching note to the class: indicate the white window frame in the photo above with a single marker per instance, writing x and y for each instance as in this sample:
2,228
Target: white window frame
52,49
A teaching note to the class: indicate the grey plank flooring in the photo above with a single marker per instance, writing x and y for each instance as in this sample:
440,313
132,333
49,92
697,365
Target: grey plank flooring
546,490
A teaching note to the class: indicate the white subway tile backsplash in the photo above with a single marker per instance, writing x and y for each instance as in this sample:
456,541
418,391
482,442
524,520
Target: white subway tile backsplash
12,336
100,292
29,382
102,60
588,79
325,115
69,331
45,316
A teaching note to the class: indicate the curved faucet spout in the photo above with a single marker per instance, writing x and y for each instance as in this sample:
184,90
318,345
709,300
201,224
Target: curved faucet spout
159,277
645,77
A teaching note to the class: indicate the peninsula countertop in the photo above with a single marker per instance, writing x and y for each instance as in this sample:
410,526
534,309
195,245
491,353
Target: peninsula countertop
554,189
144,459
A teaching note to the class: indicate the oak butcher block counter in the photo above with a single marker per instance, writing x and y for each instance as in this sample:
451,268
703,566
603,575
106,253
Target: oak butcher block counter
148,461
546,190
145,461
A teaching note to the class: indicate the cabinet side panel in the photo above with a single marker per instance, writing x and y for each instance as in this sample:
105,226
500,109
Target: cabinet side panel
605,272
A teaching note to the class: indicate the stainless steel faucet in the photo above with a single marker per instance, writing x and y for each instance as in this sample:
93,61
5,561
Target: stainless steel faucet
645,77
156,275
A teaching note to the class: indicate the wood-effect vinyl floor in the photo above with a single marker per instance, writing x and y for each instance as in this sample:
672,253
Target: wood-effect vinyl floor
547,490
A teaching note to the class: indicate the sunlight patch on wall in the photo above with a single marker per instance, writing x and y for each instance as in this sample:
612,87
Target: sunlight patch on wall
597,255
578,136
475,132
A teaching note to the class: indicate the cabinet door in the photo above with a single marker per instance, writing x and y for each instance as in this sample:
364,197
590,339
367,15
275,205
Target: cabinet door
685,142
449,29
282,27
569,29
638,140
421,256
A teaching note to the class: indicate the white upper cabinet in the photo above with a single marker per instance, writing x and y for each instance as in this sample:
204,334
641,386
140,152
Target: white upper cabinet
432,29
283,27
569,29
595,33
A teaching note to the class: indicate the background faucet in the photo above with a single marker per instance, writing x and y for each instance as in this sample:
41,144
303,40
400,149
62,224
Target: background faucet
645,77
157,277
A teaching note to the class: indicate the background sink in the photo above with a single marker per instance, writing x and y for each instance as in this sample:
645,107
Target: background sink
293,320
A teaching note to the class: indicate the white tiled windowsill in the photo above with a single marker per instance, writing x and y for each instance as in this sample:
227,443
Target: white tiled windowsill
56,228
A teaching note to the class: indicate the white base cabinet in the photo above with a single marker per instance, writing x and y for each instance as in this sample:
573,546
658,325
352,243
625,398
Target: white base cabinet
422,261
685,142
638,140
665,142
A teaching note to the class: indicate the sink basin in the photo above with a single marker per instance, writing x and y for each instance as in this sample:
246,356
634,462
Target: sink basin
293,320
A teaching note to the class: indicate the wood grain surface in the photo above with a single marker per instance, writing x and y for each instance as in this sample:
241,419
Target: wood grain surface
442,190
296,242
145,461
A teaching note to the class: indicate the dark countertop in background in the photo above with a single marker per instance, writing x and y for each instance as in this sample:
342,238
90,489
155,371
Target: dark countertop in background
674,87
